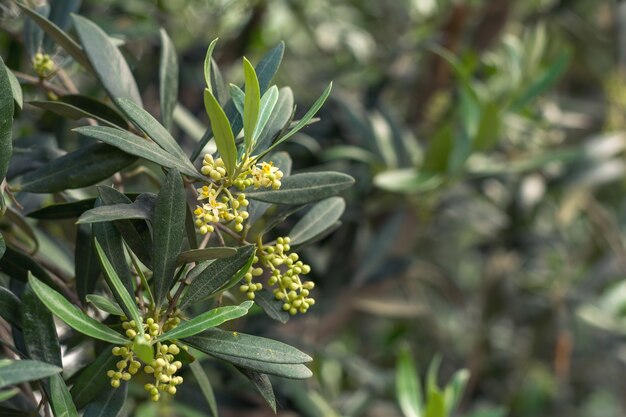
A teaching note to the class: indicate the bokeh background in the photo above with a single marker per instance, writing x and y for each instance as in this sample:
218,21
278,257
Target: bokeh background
486,225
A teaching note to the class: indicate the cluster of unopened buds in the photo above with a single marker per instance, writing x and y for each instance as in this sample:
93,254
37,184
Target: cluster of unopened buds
219,205
43,65
284,270
163,367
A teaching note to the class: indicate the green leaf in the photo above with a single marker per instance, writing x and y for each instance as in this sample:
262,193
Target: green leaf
60,398
135,210
272,307
135,233
251,106
305,119
408,387
84,167
109,403
408,181
216,341
262,384
151,127
205,254
107,61
16,89
10,307
304,188
436,406
111,240
6,121
204,321
16,372
318,220
168,79
169,231
207,65
104,304
104,114
72,316
268,66
454,390
92,380
95,107
60,37
238,97
268,101
8,394
86,265
39,331
216,275
224,138
3,245
135,145
18,265
117,287
278,119
205,385
265,70
544,81
292,371
63,210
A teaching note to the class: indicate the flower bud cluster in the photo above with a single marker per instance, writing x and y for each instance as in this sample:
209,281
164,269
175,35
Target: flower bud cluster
284,271
43,65
163,367
219,204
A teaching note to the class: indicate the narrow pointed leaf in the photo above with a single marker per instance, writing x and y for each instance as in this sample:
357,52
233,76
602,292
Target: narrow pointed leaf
278,120
205,385
138,146
207,64
39,331
109,403
60,398
115,212
16,89
169,231
305,119
72,316
10,307
408,387
268,101
238,97
60,37
320,218
199,255
224,138
304,188
213,277
16,372
107,61
63,210
292,371
272,307
216,341
92,380
151,127
71,111
84,167
262,384
129,306
168,79
6,120
252,104
104,304
204,321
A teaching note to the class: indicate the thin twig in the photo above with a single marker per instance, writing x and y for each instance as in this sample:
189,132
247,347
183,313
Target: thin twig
29,79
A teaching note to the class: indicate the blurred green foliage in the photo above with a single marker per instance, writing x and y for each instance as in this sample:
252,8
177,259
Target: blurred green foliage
486,224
